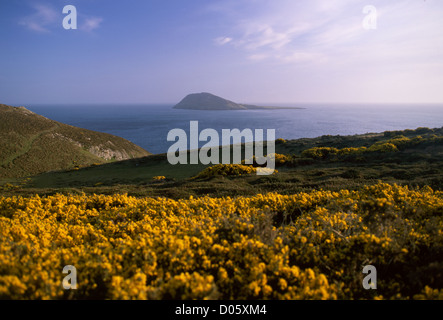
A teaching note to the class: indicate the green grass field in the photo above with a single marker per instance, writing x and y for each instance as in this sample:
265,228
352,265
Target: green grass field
417,161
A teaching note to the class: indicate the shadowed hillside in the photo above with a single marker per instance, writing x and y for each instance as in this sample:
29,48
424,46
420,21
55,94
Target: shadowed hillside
32,144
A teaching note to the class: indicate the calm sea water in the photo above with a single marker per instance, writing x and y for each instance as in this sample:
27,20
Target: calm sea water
148,125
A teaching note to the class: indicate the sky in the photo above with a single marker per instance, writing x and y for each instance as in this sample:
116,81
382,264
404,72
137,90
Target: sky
248,51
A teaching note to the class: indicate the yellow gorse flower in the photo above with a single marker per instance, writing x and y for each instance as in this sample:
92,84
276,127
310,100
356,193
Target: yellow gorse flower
302,246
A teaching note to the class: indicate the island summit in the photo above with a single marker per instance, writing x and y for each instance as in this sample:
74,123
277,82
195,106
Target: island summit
208,101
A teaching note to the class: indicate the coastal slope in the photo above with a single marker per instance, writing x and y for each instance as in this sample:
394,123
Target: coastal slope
31,144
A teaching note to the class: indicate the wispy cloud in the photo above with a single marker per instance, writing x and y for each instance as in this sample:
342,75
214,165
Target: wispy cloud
258,57
45,18
89,24
319,30
222,40
283,33
41,20
265,36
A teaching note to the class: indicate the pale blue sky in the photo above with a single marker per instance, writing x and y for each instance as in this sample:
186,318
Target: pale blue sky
281,51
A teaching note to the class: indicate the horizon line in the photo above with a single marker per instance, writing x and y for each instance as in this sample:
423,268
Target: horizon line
256,103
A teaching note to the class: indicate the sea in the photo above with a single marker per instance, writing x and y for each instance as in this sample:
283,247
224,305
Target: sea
148,125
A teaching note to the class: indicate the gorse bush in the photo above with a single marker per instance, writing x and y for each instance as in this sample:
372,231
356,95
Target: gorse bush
303,246
319,152
351,150
280,141
225,170
396,143
383,147
402,141
418,131
279,159
326,152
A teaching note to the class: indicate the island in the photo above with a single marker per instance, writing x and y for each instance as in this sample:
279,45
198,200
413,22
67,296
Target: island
209,101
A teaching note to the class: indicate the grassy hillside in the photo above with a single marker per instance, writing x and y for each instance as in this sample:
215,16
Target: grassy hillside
32,144
329,162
